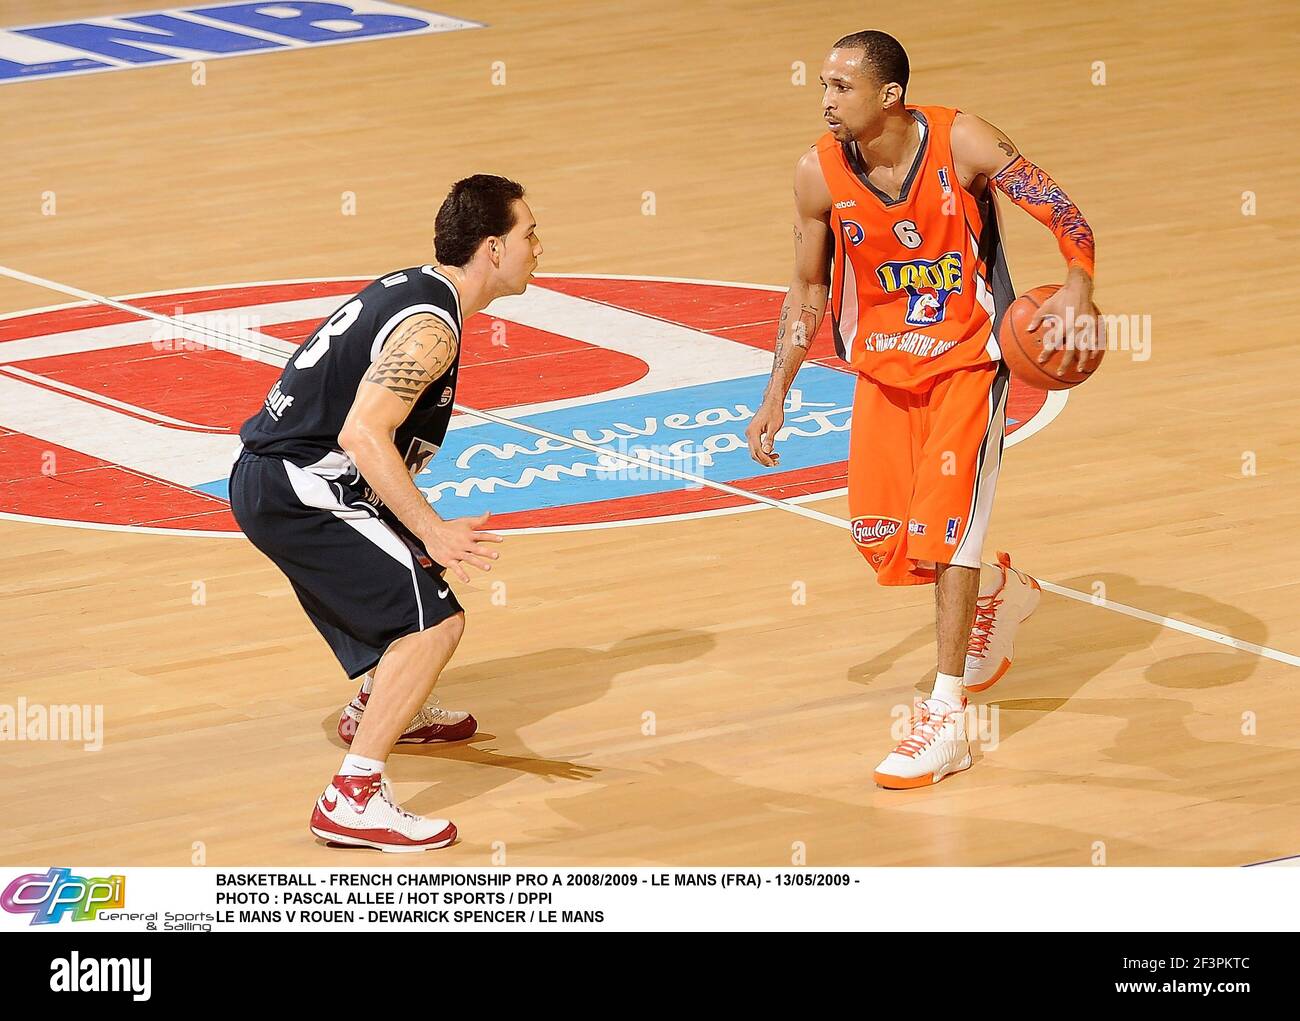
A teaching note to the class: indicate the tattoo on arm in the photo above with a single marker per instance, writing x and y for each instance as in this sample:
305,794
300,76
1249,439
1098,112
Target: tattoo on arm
801,333
420,350
1034,191
778,361
805,327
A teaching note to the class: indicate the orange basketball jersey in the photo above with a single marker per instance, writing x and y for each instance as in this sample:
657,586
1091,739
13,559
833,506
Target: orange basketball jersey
915,278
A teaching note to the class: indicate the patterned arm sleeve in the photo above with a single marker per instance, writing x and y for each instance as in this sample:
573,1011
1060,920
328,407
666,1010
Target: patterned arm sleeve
1036,193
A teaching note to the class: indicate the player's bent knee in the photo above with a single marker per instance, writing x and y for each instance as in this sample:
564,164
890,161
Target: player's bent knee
434,640
452,628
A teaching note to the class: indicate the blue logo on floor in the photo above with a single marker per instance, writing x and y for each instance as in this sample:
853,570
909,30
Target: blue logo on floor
207,32
696,430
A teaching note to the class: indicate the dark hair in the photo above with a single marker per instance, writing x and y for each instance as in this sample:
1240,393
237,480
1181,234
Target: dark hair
477,207
884,53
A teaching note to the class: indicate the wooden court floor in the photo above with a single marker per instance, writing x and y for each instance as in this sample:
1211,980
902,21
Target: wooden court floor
1121,740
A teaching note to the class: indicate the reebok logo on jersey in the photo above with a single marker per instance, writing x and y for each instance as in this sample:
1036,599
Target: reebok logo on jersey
846,204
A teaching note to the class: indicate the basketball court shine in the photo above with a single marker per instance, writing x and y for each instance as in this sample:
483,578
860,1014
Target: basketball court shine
662,674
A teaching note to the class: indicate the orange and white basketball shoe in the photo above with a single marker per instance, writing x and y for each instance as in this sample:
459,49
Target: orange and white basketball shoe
430,725
999,610
935,747
360,811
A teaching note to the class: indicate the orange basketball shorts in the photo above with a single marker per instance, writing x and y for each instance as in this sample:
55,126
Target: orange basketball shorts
922,471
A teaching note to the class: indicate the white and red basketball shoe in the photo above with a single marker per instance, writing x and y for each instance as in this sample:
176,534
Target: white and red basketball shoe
430,725
360,811
999,610
935,747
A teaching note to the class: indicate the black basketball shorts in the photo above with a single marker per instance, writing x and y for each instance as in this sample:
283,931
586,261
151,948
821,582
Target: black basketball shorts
363,580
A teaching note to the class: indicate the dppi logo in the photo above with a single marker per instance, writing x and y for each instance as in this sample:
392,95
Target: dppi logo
872,531
928,282
47,898
111,420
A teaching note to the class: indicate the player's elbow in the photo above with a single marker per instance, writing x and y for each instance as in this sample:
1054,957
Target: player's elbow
811,287
357,441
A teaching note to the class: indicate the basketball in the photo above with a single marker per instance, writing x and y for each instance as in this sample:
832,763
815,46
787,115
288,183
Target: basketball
1020,348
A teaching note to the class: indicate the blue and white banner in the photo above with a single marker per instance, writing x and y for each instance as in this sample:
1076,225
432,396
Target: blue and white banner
204,32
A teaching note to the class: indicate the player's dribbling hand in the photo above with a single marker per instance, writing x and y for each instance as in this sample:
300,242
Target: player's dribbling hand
764,426
458,542
1071,307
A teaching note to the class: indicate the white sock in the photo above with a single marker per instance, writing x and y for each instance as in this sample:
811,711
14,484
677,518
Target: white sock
947,688
359,765
368,683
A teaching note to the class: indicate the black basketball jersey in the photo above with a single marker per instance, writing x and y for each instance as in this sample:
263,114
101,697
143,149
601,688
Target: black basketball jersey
303,414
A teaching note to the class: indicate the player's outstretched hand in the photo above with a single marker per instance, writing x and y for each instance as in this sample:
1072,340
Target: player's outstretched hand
459,541
764,426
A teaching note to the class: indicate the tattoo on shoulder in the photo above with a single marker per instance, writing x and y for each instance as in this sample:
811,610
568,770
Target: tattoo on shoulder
1006,147
419,351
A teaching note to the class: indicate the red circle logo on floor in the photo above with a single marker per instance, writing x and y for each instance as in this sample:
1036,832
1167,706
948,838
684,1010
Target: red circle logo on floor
110,419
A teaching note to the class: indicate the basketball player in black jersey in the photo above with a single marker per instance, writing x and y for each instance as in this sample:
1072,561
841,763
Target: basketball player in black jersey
325,487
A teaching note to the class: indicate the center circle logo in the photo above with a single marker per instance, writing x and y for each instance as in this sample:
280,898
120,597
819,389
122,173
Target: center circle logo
112,420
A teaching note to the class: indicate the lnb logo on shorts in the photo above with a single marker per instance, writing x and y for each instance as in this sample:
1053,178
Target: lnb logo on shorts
873,530
950,533
927,282
77,974
47,898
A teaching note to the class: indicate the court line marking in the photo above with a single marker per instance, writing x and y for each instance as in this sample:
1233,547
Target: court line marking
254,340
68,388
1272,861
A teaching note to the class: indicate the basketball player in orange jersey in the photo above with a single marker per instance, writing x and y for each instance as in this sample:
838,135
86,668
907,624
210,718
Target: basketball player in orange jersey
895,225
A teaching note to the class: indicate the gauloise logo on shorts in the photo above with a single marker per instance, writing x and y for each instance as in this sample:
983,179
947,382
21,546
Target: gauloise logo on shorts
927,282
47,898
872,531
